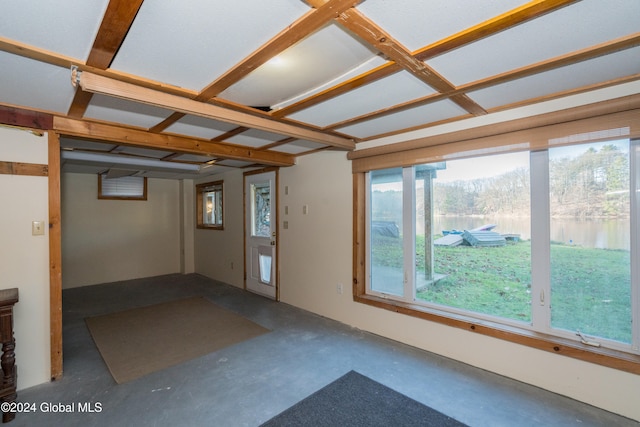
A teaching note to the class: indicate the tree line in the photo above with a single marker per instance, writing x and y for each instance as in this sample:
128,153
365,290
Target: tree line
594,184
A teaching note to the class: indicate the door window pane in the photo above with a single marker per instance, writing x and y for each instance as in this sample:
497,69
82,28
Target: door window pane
590,239
387,256
261,209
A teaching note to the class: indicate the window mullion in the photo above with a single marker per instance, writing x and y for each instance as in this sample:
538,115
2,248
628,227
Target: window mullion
634,187
540,242
409,231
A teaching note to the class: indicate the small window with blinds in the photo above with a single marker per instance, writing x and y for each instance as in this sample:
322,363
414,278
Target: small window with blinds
209,205
122,188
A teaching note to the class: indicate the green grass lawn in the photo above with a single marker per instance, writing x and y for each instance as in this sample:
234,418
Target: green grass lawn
591,288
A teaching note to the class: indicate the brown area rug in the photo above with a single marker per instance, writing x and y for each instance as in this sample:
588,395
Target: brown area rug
142,340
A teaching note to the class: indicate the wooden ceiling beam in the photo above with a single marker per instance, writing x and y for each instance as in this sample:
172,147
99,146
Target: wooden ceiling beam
170,143
31,52
303,27
115,25
622,43
527,12
48,57
110,87
231,133
19,117
585,54
509,19
371,33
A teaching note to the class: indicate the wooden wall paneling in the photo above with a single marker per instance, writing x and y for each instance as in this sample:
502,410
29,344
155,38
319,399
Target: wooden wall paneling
17,168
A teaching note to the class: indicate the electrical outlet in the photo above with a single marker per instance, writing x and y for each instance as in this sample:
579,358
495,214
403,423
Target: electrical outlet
37,228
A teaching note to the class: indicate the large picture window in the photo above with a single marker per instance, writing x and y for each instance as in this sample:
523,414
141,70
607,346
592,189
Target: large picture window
541,241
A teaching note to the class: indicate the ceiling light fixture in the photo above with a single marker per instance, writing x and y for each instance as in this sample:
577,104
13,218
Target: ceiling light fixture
120,160
94,83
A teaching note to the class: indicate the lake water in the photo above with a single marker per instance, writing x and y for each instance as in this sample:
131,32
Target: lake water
611,233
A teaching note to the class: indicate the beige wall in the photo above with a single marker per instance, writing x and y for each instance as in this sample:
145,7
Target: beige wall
111,240
315,255
219,253
24,259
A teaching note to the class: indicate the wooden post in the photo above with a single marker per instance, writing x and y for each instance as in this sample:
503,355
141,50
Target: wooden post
428,224
55,256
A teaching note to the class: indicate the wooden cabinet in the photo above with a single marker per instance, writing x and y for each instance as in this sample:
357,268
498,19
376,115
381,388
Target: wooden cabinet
8,297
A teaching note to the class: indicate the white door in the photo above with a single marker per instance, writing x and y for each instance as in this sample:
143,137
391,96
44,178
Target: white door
260,233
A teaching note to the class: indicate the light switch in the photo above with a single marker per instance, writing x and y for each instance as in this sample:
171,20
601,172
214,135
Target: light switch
37,228
305,209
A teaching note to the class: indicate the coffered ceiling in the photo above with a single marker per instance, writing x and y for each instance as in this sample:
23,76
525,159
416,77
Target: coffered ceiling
234,84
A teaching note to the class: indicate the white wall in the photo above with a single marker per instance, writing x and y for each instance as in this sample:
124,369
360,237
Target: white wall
219,254
111,240
24,259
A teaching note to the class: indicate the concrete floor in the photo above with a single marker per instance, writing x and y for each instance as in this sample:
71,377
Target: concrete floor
246,384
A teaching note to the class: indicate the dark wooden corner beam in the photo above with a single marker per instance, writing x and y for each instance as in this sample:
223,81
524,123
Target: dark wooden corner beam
25,118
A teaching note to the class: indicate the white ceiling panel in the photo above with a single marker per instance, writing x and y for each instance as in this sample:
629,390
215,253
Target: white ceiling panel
67,27
86,145
167,175
192,42
405,119
200,127
34,84
68,167
255,138
324,56
396,89
233,163
207,170
192,158
363,68
123,111
574,27
416,24
298,147
586,73
141,152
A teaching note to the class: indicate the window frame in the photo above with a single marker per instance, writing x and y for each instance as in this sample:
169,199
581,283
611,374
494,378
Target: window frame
623,120
101,196
201,189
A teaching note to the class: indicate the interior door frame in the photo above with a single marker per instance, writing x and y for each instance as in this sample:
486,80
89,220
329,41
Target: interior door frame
275,199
